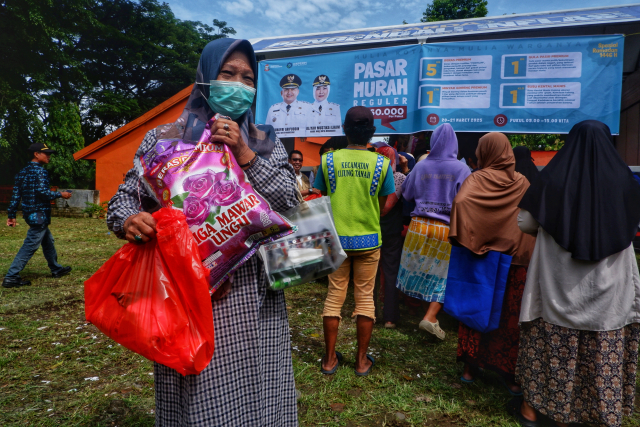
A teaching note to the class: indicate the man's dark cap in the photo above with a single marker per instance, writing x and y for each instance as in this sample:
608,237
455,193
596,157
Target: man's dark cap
290,81
358,117
39,147
322,80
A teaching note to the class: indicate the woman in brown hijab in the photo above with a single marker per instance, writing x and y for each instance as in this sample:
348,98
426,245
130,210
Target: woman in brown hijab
484,218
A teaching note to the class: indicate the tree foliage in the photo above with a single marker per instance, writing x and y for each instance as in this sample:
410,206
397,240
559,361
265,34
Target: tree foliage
64,134
444,10
537,141
92,65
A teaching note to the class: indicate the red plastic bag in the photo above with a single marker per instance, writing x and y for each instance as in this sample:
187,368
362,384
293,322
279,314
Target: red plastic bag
312,196
153,298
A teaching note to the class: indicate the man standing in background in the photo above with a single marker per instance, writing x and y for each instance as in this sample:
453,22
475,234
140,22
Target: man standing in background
295,158
358,183
32,187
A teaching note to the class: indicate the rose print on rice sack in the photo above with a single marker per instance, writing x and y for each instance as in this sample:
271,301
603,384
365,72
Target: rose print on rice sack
213,187
227,218
226,193
202,185
195,210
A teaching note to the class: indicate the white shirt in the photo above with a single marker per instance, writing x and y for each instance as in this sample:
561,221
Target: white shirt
585,295
324,118
289,121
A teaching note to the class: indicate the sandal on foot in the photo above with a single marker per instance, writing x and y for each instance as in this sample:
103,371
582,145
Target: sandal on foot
335,368
506,386
466,381
514,409
365,373
432,328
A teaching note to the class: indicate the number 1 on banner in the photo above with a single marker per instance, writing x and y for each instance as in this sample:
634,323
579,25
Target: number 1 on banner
514,66
513,96
429,96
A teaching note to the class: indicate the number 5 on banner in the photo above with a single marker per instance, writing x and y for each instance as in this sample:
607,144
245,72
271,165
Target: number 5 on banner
431,68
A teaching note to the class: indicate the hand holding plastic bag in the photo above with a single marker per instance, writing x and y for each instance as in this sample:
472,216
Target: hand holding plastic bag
154,298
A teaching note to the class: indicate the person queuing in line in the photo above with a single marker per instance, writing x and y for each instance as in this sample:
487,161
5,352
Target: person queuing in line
358,183
420,144
33,189
249,381
295,158
324,148
401,143
472,162
391,229
433,185
581,305
484,218
524,163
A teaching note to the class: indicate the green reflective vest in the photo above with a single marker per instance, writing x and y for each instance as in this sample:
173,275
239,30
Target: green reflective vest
353,179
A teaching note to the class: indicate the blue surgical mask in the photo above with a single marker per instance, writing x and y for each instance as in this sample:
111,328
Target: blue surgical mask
230,98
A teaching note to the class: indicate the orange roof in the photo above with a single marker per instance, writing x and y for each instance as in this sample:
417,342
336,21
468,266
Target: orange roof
175,99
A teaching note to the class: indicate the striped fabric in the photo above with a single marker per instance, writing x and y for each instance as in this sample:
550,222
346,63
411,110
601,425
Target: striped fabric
424,264
332,172
376,176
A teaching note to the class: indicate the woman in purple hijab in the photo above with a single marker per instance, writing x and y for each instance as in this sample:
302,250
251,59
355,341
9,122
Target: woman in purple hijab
432,184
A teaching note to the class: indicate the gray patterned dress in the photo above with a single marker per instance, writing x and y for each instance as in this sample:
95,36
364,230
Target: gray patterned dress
249,381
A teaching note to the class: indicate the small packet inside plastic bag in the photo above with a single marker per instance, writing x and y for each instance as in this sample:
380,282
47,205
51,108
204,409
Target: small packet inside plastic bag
227,217
312,252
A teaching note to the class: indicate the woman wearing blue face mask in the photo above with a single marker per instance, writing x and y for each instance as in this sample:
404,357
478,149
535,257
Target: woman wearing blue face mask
249,381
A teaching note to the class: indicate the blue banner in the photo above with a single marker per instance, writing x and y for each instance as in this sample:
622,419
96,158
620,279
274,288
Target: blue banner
540,85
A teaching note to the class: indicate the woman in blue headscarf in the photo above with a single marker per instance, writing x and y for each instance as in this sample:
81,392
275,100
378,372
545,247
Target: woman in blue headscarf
249,381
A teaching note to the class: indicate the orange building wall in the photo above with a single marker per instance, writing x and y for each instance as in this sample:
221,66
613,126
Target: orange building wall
310,149
542,158
115,159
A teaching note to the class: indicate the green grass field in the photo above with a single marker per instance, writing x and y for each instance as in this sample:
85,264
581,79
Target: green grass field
57,370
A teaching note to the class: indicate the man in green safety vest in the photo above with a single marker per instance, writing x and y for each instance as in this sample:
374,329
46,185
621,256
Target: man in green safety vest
358,182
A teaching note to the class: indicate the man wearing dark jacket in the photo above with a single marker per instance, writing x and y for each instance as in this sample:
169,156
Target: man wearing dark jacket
32,186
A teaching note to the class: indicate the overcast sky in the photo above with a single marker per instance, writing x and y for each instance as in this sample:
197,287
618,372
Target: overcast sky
269,18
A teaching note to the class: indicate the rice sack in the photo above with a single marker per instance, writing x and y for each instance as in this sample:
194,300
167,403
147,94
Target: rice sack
227,217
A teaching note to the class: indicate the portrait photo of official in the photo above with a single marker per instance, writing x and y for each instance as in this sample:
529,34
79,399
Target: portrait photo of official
325,116
289,116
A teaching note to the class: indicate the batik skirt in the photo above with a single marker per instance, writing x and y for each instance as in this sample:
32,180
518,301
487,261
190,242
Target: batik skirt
575,376
424,263
497,350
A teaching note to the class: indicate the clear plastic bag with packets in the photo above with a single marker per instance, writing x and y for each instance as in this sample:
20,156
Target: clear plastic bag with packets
312,252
